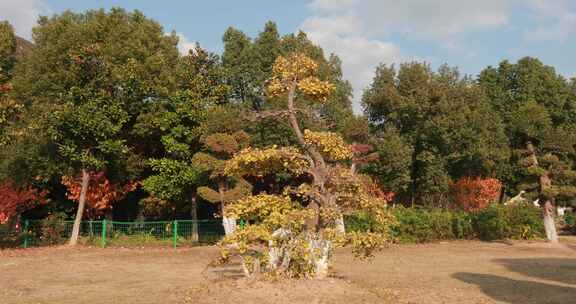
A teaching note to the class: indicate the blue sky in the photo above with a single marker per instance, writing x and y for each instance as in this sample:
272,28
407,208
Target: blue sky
470,34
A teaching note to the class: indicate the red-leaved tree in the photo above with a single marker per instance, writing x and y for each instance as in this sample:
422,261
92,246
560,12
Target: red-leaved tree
101,193
473,194
14,200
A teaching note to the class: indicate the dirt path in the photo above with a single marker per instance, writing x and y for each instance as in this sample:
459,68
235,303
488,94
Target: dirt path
452,272
85,276
470,272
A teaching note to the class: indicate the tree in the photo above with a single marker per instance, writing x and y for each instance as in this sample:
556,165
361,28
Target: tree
538,108
86,81
14,200
195,109
294,232
8,107
249,63
100,195
439,127
473,194
220,147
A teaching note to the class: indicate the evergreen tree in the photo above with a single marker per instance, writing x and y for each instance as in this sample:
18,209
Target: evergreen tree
538,107
441,127
86,81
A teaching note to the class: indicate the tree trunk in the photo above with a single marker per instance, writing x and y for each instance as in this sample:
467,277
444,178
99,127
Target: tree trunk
80,212
229,223
194,216
547,207
320,250
549,223
340,227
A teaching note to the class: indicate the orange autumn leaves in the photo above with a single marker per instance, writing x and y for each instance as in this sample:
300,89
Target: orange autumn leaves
15,200
473,194
101,192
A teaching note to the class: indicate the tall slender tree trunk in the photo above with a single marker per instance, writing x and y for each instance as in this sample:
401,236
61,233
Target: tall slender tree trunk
194,216
548,206
81,205
229,223
549,222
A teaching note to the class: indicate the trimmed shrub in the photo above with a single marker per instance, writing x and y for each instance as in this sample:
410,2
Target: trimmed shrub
509,222
418,225
421,225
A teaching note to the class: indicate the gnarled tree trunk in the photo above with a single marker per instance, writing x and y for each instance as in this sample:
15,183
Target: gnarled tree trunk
548,207
81,205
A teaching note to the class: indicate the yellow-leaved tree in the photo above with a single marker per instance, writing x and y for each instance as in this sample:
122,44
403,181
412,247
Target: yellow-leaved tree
293,233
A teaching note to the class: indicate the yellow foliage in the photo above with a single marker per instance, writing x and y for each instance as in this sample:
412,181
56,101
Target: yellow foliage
330,144
260,162
298,70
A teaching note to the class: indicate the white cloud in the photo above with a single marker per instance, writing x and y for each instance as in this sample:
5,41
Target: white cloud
184,44
359,55
421,18
363,32
359,31
556,21
331,5
22,14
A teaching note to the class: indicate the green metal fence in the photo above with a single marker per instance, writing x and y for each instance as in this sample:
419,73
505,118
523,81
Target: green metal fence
125,234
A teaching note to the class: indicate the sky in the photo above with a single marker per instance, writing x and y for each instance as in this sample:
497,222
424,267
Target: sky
469,34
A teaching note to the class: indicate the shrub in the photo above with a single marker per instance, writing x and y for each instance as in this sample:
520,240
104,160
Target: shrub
570,222
509,222
475,193
420,225
53,228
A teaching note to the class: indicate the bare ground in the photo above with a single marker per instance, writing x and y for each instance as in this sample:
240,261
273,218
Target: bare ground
450,272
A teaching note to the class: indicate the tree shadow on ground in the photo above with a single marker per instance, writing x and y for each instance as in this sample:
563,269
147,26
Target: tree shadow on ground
554,269
518,291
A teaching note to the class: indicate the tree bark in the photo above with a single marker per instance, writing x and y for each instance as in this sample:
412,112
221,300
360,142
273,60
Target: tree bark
549,222
194,216
229,223
81,205
547,207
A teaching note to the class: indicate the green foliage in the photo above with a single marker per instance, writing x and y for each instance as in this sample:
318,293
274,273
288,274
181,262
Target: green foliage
7,52
85,82
538,108
434,127
249,64
8,107
172,179
514,222
53,229
416,225
421,225
570,222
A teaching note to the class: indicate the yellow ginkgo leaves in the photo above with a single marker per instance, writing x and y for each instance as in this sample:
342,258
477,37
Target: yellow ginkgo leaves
299,71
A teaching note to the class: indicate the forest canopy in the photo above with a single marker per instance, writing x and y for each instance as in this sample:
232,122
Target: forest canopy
105,93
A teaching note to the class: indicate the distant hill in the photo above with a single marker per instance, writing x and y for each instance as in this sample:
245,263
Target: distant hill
23,46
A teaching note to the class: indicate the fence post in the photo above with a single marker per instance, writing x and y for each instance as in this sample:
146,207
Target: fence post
103,233
241,223
175,234
26,223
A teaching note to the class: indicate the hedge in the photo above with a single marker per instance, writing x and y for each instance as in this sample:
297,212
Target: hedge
421,225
